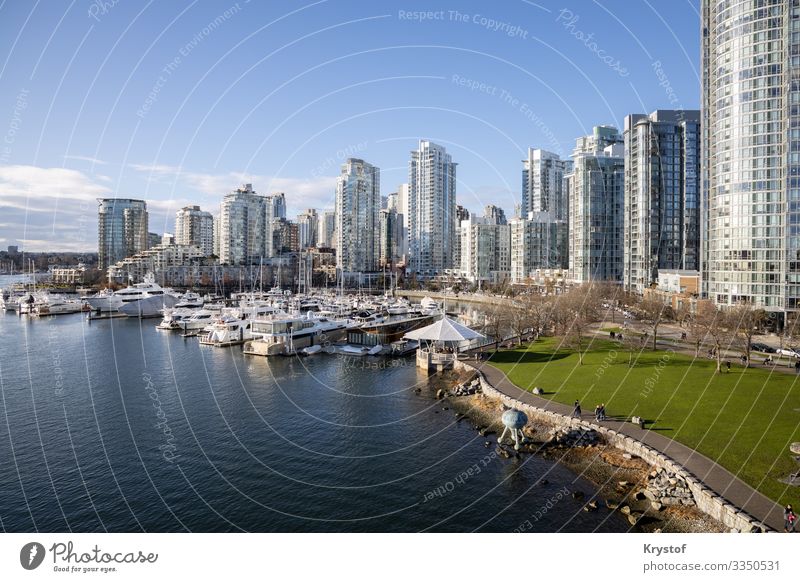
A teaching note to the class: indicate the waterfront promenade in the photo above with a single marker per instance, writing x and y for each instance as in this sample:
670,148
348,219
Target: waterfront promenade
715,477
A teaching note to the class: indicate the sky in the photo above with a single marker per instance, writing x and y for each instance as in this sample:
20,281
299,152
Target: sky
180,102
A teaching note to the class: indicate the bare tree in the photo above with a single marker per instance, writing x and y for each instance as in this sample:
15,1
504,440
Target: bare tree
496,322
580,309
745,320
654,312
715,325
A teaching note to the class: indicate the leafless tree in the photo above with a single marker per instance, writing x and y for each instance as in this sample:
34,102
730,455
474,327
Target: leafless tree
579,309
654,312
715,324
744,321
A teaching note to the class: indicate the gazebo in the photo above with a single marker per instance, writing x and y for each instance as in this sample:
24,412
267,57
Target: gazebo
440,342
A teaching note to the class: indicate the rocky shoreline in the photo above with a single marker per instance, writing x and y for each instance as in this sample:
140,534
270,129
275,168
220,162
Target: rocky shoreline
649,500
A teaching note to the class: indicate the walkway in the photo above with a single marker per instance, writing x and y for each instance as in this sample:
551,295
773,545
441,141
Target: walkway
720,480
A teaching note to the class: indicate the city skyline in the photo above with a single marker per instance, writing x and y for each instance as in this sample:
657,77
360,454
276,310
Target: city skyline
487,98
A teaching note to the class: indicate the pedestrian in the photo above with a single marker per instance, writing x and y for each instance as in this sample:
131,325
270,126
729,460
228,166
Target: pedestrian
728,366
597,413
797,367
789,519
602,411
576,410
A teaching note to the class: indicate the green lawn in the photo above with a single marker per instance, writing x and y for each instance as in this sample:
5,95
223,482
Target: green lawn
744,419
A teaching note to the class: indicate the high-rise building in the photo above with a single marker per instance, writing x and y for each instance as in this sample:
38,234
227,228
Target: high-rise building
485,250
358,205
243,227
391,240
662,202
750,205
307,224
431,210
595,192
195,227
543,184
495,214
121,229
326,236
537,242
285,236
462,215
278,202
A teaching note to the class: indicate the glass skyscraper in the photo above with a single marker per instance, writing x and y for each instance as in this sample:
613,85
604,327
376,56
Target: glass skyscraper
358,206
121,229
751,152
662,187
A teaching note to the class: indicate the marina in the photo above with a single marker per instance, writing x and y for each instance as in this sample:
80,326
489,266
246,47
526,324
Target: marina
213,438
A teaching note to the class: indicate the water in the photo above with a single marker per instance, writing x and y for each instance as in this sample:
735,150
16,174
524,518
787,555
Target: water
115,426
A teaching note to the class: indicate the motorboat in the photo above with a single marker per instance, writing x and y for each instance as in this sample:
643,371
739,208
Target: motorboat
189,300
54,305
146,299
227,330
173,318
197,320
286,335
311,350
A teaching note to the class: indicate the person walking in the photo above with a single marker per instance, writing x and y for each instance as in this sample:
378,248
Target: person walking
597,413
576,410
728,366
602,411
789,519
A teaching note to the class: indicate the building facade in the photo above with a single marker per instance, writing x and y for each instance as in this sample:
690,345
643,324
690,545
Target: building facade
538,242
244,233
327,229
543,184
195,227
358,206
662,195
751,153
307,224
121,229
431,210
596,196
485,250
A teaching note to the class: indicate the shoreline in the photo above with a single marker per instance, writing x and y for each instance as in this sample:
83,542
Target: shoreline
617,478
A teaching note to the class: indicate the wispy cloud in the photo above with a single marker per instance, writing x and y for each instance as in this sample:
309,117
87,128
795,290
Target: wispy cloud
89,159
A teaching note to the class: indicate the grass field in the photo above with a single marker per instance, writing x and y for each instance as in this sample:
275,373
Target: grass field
744,419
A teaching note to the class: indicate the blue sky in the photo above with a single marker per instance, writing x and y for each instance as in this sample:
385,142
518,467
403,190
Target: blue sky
179,102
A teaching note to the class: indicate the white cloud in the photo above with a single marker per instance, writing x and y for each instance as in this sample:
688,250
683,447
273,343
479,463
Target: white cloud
86,159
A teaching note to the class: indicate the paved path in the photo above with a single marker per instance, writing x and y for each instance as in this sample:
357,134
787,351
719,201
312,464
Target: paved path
715,477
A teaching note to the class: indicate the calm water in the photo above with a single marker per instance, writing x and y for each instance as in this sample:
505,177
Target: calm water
116,426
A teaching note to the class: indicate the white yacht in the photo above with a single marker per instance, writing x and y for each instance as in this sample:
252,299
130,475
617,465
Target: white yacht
55,305
198,319
173,318
146,299
234,326
286,335
189,300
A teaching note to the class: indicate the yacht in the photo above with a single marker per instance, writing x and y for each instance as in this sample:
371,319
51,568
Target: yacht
198,319
146,299
189,300
234,326
286,335
173,318
55,305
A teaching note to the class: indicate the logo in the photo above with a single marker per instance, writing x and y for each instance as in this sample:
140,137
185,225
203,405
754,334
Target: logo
31,555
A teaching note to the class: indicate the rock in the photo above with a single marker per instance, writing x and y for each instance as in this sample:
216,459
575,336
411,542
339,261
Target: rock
657,530
627,456
487,444
649,494
625,510
669,501
624,484
538,391
656,505
439,394
612,504
639,496
634,518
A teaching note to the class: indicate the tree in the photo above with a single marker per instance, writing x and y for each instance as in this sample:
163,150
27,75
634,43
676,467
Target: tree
715,326
654,312
496,322
745,320
579,309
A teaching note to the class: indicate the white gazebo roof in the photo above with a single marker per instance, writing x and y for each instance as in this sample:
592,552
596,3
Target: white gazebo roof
444,330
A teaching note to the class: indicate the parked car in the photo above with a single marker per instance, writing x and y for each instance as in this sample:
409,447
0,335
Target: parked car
788,352
759,347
